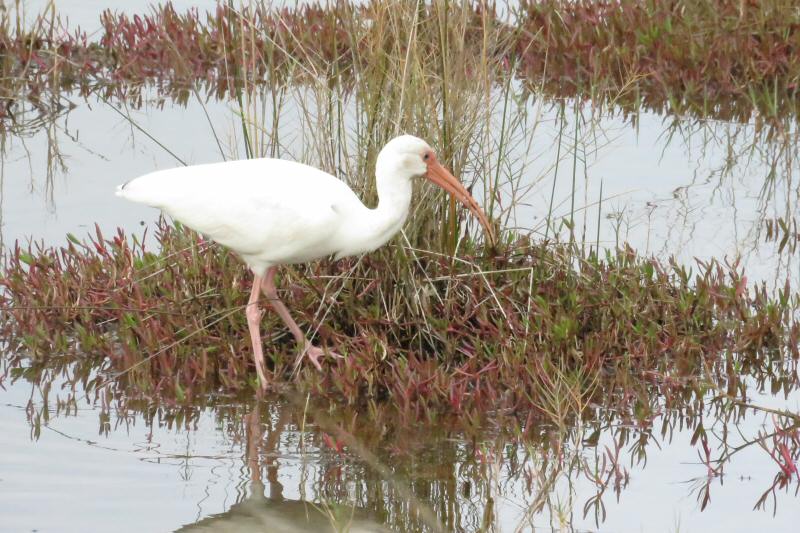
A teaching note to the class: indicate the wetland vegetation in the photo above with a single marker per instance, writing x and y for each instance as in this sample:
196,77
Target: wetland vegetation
545,367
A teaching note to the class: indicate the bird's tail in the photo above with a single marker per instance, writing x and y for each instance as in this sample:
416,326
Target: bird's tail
141,190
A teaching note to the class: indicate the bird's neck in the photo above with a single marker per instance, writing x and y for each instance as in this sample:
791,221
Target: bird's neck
394,199
375,227
369,229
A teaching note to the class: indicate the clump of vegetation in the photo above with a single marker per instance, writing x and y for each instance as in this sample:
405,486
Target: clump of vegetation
723,59
533,328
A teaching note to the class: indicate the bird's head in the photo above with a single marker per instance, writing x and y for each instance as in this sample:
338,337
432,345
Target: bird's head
407,157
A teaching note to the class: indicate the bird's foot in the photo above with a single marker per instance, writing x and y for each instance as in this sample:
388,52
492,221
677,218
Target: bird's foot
314,353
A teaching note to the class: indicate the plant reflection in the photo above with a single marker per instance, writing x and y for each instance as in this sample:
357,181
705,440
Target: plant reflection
351,473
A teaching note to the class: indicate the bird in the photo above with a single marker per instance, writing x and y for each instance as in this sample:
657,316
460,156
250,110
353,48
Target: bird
273,212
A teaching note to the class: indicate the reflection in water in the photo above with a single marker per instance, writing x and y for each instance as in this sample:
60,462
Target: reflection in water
301,467
265,508
261,513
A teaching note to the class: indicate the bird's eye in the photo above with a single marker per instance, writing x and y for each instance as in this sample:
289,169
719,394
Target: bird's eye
426,156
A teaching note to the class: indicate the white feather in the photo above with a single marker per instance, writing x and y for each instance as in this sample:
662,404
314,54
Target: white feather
272,211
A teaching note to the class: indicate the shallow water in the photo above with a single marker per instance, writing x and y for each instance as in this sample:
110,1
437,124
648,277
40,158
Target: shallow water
97,466
126,471
86,13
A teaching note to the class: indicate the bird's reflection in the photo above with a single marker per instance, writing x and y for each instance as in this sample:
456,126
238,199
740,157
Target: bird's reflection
265,509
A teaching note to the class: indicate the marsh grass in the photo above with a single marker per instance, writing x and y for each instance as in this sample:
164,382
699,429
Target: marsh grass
533,329
729,60
734,61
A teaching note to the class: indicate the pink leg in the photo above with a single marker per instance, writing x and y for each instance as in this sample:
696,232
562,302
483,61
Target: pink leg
313,352
253,314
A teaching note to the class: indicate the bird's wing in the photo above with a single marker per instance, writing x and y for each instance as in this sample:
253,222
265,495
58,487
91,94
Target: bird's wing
289,210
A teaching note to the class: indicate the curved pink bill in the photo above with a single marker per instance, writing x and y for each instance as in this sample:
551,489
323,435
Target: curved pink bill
444,179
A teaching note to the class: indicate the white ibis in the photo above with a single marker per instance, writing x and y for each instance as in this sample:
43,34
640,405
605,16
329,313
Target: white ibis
275,212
